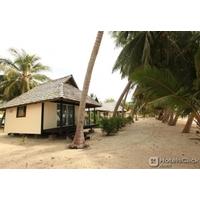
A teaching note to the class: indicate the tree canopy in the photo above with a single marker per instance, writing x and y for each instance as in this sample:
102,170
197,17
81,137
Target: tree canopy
164,64
20,74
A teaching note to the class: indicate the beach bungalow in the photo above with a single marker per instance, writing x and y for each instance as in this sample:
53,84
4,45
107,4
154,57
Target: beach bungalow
51,107
107,109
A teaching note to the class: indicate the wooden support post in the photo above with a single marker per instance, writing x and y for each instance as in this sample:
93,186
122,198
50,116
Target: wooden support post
61,116
94,116
42,117
89,115
74,115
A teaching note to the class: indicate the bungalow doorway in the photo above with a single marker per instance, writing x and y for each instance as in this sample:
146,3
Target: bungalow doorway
65,115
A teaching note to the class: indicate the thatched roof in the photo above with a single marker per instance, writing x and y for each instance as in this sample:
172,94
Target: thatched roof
109,107
63,88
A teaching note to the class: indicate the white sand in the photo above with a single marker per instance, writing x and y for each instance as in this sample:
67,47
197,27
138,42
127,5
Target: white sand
131,148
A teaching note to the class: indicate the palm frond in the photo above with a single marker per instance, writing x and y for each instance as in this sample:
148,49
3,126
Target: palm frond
6,64
40,77
21,73
161,80
197,63
39,67
136,53
162,87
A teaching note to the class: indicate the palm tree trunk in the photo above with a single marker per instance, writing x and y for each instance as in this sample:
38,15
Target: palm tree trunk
197,117
121,97
165,116
188,123
79,140
160,115
171,118
175,120
124,102
26,85
132,114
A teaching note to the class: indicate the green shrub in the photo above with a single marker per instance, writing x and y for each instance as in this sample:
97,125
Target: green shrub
118,123
112,125
108,125
129,120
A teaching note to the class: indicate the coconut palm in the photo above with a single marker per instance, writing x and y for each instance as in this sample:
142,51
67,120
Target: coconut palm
79,140
21,74
136,52
1,90
164,88
119,101
172,50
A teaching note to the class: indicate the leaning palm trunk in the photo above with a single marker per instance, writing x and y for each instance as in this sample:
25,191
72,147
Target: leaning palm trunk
132,114
124,103
174,122
121,97
197,116
188,123
79,140
165,116
160,115
171,118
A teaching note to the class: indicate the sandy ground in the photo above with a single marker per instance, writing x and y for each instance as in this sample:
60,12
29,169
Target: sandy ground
130,148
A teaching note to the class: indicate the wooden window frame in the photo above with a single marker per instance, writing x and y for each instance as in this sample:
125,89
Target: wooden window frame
19,107
60,121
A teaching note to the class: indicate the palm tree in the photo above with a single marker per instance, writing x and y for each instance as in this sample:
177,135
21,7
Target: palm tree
136,52
21,74
140,100
188,124
164,88
126,89
172,50
1,90
79,140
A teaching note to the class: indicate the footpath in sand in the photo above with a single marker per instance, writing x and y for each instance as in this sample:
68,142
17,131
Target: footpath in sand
130,148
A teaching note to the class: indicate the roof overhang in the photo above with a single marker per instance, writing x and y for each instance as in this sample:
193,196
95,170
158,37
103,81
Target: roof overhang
56,100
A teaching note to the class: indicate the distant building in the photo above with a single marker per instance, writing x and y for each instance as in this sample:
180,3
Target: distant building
107,109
